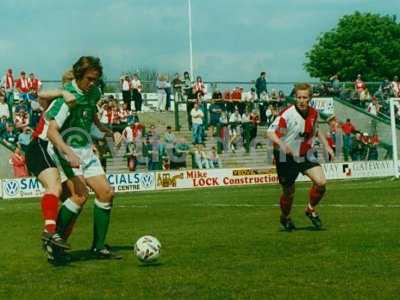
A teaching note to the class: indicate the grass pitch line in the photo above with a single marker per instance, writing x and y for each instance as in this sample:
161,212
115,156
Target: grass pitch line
277,205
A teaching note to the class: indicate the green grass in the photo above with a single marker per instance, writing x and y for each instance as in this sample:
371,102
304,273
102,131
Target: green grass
222,243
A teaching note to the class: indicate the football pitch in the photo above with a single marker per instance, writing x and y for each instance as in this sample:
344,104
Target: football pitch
221,243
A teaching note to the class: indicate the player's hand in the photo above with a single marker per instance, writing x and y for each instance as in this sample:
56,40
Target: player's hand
287,149
69,98
73,160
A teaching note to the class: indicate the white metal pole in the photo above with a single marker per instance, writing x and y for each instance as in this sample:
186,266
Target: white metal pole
190,39
394,138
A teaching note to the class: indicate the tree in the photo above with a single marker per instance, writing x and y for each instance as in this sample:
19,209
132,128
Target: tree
362,43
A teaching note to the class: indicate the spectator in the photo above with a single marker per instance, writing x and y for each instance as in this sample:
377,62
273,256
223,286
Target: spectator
215,114
270,115
177,85
357,147
167,95
34,86
347,129
373,143
22,87
131,135
364,96
213,158
188,93
200,157
246,130
179,153
197,124
234,129
255,121
261,84
4,112
364,149
374,108
126,91
359,85
136,86
169,137
223,132
161,85
25,138
336,86
9,137
396,86
123,114
199,89
3,125
331,144
9,84
251,100
17,160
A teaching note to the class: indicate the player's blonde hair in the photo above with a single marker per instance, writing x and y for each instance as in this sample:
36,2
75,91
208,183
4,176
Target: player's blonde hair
302,87
67,77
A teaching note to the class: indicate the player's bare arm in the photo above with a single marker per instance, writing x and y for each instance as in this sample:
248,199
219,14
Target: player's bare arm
282,145
46,97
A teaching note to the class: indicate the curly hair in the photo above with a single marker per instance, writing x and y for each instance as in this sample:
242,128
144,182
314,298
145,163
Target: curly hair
86,63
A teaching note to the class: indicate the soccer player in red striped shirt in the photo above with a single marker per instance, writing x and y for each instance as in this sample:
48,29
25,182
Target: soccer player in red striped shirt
292,133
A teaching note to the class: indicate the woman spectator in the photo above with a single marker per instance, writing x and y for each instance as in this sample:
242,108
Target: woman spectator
17,160
136,86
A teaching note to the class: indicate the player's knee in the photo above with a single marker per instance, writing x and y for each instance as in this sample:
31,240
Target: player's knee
107,195
320,183
55,190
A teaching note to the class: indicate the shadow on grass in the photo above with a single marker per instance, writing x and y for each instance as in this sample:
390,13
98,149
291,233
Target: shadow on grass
304,228
85,255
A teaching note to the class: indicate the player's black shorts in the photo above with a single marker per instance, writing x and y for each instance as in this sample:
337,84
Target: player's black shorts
37,157
288,168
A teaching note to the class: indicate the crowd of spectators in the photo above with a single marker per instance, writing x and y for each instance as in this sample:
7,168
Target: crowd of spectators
230,117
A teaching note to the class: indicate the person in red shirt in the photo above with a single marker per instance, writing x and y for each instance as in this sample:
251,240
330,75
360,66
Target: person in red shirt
17,160
22,86
347,129
293,133
34,86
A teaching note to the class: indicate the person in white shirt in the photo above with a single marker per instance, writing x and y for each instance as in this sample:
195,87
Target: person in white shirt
374,107
234,129
197,124
293,134
3,107
126,90
161,85
136,86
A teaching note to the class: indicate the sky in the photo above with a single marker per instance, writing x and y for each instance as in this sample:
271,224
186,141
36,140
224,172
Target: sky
233,40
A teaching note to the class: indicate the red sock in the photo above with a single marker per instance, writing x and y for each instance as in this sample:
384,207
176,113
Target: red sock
286,205
49,212
316,193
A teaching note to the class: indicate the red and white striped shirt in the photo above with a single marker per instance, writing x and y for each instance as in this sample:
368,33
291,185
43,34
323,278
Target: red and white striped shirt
22,85
295,130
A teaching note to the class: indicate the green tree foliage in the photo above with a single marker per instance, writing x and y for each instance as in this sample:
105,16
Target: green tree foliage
361,43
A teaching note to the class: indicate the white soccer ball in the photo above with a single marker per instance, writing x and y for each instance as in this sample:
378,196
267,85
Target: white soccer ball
147,248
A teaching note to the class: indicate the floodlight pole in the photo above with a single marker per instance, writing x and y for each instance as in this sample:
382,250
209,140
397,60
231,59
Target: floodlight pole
394,138
190,38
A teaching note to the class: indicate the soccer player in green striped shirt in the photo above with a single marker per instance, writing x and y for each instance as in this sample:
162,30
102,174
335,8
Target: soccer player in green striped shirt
69,131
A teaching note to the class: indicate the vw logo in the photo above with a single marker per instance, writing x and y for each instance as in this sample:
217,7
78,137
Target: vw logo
11,187
147,180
